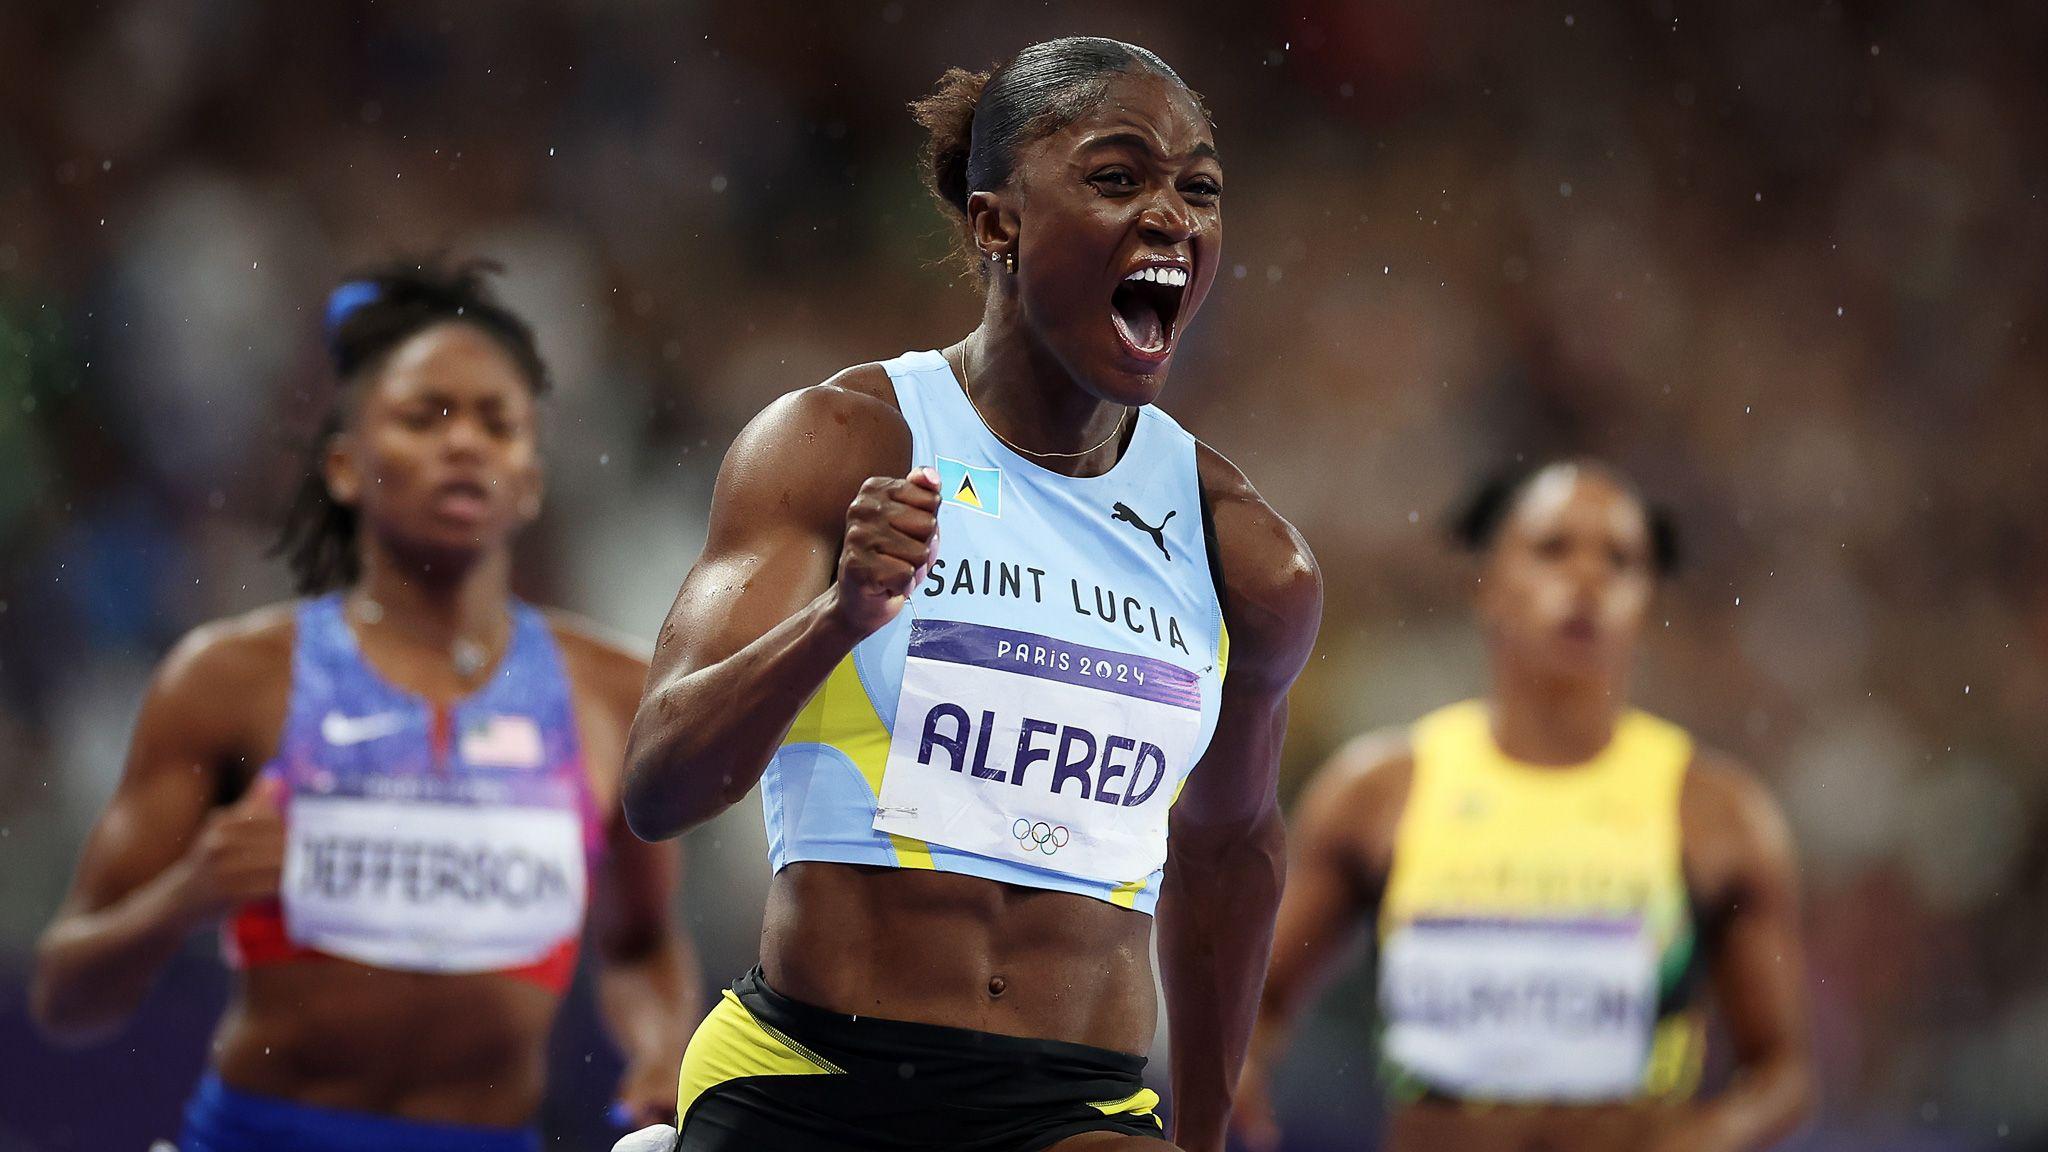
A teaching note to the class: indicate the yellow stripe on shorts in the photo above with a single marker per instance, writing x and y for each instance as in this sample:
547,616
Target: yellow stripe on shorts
731,1044
1139,1103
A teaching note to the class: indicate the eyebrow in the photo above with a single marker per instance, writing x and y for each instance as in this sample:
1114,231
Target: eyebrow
1144,145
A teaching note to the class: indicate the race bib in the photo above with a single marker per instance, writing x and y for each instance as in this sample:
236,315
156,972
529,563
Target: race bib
432,887
1521,1010
1017,746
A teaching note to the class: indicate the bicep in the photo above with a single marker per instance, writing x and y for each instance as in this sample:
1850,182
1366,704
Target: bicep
778,515
169,783
1236,782
1759,968
740,588
1324,902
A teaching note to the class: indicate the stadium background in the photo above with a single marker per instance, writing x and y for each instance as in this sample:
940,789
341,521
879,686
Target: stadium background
1784,261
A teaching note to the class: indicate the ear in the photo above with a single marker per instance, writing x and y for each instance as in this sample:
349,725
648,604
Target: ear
992,224
339,467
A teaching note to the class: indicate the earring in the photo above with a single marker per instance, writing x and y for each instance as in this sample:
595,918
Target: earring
1010,261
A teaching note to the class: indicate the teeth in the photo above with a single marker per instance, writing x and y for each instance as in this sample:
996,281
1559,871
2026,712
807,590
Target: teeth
1161,274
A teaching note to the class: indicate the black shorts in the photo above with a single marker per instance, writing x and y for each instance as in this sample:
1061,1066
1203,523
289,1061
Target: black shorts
766,1073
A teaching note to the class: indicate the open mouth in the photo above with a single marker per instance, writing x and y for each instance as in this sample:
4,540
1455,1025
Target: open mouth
463,499
1145,305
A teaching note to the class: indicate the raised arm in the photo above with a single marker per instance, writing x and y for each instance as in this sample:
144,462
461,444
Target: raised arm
163,860
1740,853
1340,847
1226,847
812,547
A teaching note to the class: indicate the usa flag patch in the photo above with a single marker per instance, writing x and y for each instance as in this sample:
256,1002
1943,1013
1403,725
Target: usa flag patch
503,742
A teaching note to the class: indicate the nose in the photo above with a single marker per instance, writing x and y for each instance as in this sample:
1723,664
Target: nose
1588,571
1167,221
465,436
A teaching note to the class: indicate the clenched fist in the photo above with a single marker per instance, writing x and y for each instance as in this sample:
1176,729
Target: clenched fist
238,857
892,536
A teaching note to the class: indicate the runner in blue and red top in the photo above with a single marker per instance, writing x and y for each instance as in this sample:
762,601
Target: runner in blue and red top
397,795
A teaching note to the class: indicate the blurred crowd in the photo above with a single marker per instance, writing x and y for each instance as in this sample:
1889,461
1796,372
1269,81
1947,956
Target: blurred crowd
1784,262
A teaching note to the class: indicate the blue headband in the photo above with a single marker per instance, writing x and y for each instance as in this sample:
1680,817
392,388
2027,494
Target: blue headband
347,300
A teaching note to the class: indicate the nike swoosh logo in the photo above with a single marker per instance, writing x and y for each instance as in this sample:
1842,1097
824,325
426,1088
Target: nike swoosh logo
342,731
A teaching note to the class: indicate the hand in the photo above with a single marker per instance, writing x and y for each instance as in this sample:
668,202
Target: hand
1251,1113
647,1093
238,856
892,536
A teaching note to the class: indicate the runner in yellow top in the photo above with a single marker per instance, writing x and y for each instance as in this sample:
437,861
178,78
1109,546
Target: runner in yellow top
1553,876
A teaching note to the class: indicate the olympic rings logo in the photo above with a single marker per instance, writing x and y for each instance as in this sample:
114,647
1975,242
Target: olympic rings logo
1039,836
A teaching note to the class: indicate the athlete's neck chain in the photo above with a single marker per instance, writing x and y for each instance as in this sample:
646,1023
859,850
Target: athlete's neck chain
966,386
468,656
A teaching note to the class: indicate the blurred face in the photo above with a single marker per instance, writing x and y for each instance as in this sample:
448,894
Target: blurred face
1117,223
441,458
1570,575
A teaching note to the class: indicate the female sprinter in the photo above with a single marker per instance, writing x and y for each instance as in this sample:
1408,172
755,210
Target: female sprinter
1551,874
395,791
972,753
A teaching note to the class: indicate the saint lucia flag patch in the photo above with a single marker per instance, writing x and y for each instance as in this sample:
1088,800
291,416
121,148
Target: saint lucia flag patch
970,487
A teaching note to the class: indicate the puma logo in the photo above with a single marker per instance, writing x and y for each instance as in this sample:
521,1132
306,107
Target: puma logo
1122,511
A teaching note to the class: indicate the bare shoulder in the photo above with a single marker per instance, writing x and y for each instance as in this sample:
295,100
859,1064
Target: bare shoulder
223,689
806,453
1368,772
1724,798
854,410
222,658
1273,589
608,663
1734,831
1359,793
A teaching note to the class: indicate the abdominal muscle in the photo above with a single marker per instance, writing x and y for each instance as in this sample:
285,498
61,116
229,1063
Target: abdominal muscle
961,951
329,1033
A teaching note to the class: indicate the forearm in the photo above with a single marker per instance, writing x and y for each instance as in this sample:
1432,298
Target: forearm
93,968
701,739
650,1000
1766,1102
1215,933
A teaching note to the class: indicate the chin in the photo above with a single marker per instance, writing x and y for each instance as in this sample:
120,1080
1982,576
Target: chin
443,548
1131,379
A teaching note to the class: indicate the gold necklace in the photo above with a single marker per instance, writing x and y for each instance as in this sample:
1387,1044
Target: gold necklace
968,388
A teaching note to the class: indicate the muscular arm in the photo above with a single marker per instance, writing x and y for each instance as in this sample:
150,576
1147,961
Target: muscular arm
647,985
143,881
1342,842
1747,861
757,627
1225,862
